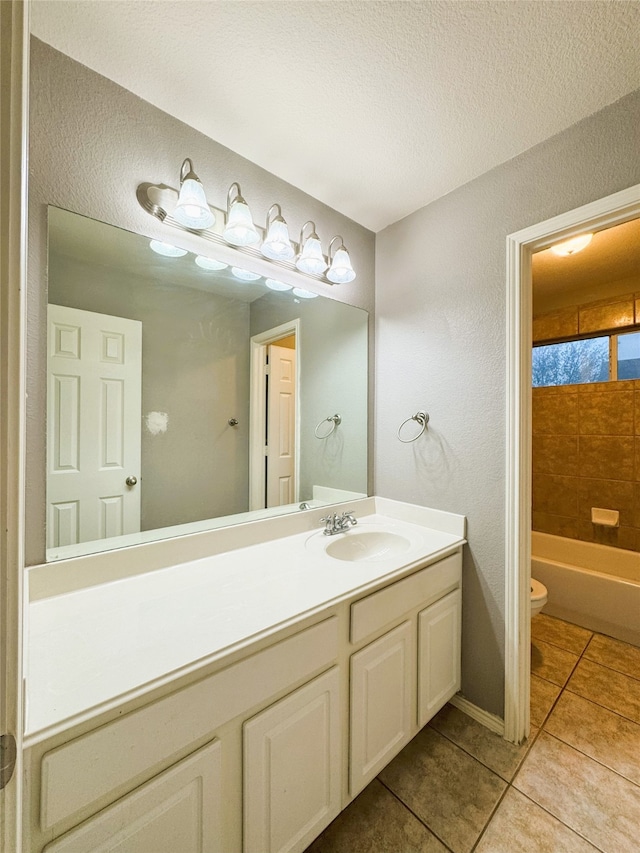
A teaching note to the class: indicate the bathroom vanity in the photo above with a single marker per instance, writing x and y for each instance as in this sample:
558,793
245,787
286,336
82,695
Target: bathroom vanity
237,701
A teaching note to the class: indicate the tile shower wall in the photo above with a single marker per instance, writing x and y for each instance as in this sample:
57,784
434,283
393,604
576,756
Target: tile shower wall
586,453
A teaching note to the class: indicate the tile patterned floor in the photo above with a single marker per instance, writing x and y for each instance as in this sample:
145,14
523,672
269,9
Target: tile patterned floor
573,787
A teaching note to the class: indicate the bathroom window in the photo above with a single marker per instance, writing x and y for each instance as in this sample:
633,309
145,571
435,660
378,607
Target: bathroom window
571,362
628,355
601,359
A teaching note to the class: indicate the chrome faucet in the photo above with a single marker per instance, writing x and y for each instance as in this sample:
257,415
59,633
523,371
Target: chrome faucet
338,523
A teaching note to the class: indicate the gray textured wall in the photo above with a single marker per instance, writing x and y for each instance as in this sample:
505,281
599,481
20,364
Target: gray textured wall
91,144
441,344
333,357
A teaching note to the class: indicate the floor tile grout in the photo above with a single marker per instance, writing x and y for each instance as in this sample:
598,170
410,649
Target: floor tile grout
417,817
591,758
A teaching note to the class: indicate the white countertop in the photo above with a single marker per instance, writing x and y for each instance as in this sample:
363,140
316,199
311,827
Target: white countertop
94,647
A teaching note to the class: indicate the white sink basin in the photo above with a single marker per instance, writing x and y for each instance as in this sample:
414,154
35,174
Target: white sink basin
367,545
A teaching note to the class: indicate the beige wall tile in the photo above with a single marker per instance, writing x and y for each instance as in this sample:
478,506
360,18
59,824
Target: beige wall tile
555,454
615,537
606,457
555,524
555,414
607,494
606,414
556,324
555,495
636,409
612,314
605,387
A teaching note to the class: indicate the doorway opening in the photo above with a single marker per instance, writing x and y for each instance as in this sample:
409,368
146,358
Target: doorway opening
596,216
274,440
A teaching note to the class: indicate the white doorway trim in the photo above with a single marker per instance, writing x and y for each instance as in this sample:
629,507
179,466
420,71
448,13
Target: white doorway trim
612,210
257,409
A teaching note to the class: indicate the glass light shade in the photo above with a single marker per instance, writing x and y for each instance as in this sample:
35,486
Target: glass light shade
311,260
570,247
209,264
277,245
274,284
341,271
245,275
192,209
240,230
166,249
304,294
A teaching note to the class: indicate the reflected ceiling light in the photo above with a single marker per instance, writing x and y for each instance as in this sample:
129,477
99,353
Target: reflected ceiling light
210,264
274,284
304,294
192,209
310,260
570,247
245,275
239,230
340,270
166,249
277,245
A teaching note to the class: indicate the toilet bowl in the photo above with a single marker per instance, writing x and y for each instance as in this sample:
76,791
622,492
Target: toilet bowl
538,596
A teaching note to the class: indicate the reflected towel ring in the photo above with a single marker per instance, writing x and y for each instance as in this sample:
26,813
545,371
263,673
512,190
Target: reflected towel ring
334,419
420,417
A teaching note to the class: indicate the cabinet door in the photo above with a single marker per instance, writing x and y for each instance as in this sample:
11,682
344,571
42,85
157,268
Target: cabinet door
293,768
179,810
438,655
382,703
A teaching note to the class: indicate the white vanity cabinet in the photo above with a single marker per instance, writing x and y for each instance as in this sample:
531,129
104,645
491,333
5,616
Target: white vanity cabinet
179,810
293,768
258,751
401,680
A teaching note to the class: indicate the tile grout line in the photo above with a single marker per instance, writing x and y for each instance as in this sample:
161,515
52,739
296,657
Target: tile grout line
591,758
599,705
411,811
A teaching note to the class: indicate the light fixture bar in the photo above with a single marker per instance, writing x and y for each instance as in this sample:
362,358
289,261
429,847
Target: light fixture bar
304,258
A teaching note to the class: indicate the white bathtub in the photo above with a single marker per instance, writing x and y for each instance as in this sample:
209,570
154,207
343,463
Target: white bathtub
592,585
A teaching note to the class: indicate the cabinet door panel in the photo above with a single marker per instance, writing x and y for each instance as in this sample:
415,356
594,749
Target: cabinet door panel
438,655
179,810
293,768
382,712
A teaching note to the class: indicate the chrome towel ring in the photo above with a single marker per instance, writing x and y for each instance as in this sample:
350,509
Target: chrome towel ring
335,420
420,417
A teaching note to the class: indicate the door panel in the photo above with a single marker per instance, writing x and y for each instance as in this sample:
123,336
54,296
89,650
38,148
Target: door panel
281,414
94,426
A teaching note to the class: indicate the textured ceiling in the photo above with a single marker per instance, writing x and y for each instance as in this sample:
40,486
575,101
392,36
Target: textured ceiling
375,108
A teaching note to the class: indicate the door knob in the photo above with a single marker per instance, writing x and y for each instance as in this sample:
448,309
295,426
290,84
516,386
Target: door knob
131,481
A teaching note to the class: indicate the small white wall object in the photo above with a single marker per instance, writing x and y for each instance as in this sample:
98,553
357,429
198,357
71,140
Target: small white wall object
605,517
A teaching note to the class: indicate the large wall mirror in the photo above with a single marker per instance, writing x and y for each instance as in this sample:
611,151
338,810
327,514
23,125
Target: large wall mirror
184,394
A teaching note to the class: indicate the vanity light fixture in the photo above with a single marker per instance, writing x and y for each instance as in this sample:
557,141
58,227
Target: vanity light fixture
187,209
310,260
210,264
277,245
274,284
245,275
192,209
572,246
167,250
340,269
239,230
304,294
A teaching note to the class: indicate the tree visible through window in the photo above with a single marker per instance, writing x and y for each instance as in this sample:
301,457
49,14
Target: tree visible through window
571,362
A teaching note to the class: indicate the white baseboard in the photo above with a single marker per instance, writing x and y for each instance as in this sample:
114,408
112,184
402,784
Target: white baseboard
488,720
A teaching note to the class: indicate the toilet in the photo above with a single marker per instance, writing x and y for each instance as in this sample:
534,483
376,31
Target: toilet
538,597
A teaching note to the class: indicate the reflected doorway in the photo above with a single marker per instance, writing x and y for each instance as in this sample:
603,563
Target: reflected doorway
274,440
